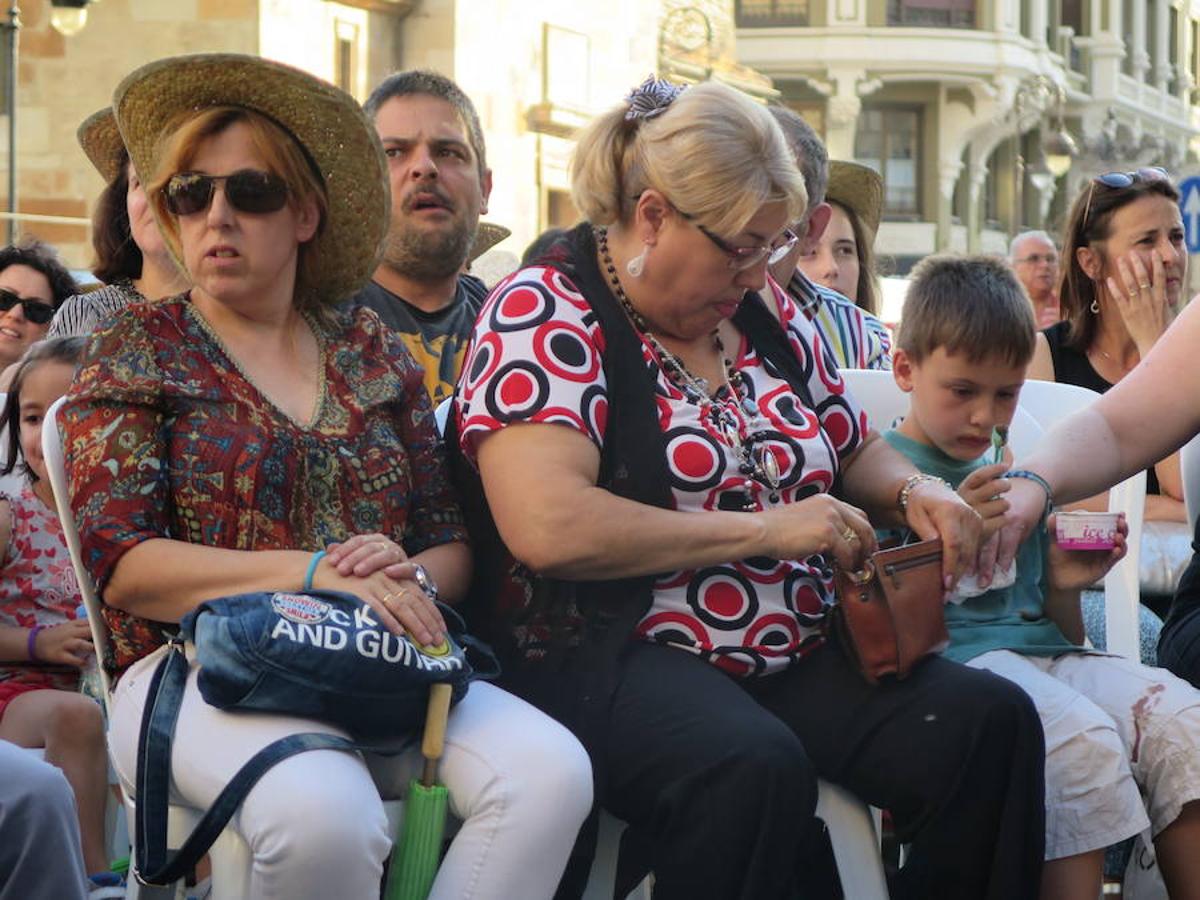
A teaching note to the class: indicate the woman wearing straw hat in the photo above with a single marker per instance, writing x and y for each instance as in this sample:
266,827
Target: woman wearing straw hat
220,439
844,258
132,260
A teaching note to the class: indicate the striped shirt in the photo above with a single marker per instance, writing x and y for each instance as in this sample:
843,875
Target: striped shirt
81,313
854,338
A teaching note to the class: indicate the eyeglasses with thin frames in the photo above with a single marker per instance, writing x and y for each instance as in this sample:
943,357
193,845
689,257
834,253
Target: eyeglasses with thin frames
1038,258
742,258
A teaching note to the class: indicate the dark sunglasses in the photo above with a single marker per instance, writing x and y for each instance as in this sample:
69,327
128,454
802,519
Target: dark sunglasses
35,311
247,190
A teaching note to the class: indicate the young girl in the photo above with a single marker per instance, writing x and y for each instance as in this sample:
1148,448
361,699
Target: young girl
42,644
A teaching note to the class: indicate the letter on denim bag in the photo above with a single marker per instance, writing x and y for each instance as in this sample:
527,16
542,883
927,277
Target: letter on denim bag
283,626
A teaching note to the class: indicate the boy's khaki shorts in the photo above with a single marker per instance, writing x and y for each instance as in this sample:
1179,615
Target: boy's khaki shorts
1122,744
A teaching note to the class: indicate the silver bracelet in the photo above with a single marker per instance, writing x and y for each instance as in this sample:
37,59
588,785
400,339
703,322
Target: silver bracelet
425,581
910,483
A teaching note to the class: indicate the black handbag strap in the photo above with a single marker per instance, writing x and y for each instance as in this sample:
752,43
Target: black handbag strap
153,864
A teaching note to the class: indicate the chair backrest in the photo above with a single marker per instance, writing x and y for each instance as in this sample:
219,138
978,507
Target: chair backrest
14,481
1051,402
52,451
1189,467
876,390
1042,405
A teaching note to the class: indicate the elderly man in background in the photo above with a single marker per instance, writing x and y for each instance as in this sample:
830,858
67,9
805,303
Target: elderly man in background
1034,258
440,182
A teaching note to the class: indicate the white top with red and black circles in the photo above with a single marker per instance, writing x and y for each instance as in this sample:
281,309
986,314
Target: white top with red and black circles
537,356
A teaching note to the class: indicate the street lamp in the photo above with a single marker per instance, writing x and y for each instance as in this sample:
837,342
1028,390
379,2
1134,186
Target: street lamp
1060,150
1058,147
68,16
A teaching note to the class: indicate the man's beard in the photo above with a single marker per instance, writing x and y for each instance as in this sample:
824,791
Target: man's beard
428,255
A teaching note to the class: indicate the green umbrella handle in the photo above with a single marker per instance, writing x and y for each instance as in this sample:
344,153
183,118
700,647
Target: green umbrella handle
434,739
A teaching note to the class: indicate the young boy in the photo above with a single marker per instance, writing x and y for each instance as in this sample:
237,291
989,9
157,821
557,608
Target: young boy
1116,731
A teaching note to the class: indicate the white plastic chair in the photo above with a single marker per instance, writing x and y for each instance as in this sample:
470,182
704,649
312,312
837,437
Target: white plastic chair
1050,402
853,831
1042,404
1189,465
229,855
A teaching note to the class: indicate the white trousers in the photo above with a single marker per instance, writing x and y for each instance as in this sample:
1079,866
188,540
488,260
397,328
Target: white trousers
1122,744
315,825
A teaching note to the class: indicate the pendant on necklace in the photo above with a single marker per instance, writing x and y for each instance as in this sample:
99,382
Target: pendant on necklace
769,466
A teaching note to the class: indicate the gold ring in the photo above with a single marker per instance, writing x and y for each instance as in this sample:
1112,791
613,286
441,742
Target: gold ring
1134,293
386,597
1144,285
849,534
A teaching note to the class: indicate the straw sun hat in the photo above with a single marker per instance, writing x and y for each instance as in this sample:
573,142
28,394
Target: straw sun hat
487,236
151,102
858,188
101,141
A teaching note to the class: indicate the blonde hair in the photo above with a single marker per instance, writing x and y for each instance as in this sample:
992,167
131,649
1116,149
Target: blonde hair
716,155
284,156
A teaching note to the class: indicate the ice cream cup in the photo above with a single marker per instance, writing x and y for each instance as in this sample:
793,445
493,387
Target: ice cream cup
1086,530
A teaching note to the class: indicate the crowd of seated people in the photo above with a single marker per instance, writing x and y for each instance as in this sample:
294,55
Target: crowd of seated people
650,472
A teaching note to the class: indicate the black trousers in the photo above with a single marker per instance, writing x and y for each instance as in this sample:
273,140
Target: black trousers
717,776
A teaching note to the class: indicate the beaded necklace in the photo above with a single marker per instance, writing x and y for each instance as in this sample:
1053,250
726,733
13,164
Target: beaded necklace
755,461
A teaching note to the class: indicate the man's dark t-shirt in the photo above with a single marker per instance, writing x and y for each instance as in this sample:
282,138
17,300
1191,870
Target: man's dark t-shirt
437,341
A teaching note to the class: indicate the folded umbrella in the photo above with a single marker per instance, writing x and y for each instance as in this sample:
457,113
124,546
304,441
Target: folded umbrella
418,850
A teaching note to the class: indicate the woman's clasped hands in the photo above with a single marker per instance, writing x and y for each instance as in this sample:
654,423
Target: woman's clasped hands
377,569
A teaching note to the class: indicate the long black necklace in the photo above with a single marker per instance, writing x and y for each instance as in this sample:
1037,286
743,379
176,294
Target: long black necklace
755,461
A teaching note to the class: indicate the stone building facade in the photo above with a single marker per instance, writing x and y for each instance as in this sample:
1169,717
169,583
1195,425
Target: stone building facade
536,70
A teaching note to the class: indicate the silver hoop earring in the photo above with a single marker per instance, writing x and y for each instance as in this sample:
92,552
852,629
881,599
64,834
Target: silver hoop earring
1095,307
635,266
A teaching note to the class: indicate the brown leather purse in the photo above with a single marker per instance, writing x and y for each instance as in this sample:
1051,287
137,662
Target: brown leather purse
889,614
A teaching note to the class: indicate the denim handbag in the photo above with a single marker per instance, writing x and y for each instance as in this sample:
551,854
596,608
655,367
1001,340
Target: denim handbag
318,654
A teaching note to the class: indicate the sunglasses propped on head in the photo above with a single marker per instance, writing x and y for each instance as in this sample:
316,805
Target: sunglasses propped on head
35,311
1119,180
247,191
1126,179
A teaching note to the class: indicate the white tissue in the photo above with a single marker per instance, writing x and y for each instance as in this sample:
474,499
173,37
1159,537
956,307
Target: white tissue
968,585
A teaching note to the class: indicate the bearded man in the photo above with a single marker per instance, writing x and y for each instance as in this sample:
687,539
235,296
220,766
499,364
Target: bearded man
440,185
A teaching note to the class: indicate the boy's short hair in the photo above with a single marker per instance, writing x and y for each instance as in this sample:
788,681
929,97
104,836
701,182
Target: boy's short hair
973,305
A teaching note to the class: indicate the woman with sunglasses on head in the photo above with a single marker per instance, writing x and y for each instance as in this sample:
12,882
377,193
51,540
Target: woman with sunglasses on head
132,261
33,284
220,440
658,448
1124,264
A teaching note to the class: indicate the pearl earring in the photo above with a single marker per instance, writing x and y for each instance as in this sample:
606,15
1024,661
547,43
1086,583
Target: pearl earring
635,266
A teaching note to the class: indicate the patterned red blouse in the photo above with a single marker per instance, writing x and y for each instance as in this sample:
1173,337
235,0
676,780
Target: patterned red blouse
166,437
537,357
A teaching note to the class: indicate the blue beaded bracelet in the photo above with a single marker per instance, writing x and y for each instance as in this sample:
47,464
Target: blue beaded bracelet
312,569
1040,481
